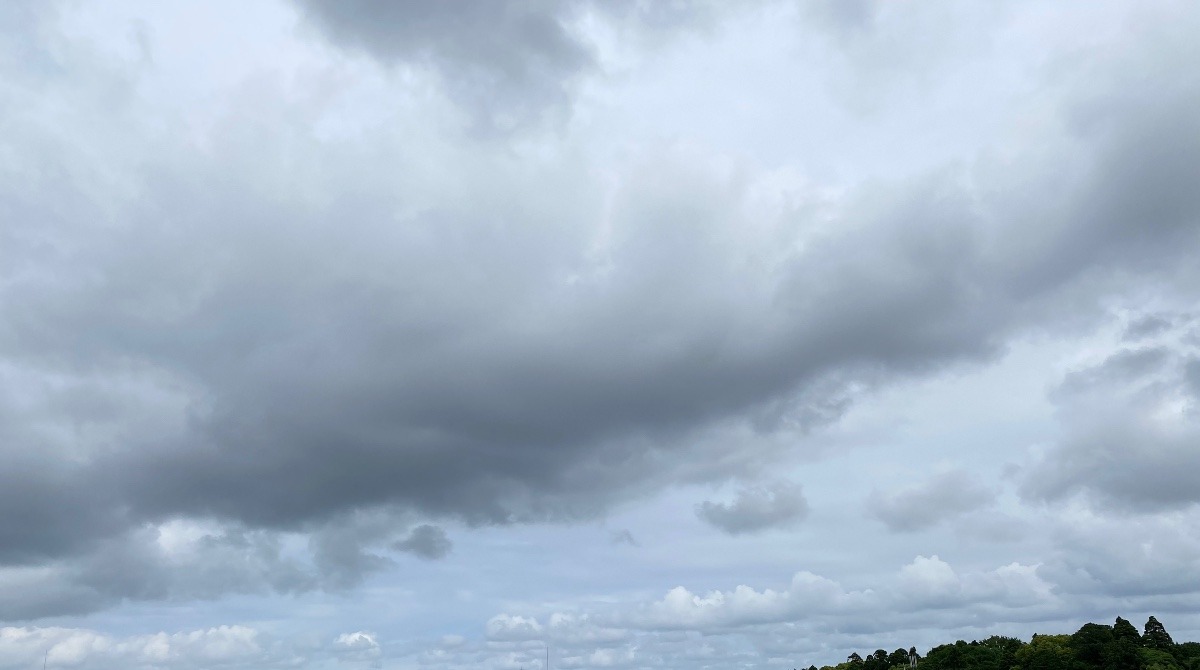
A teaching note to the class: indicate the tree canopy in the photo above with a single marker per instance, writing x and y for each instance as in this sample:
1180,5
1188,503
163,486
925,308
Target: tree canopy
1093,646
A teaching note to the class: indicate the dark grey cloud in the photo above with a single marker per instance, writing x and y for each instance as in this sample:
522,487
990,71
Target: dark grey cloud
756,508
277,333
509,63
137,566
1120,368
342,553
1149,325
944,496
427,542
208,563
1124,461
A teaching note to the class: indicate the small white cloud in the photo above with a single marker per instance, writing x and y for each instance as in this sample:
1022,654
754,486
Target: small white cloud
929,581
234,646
357,646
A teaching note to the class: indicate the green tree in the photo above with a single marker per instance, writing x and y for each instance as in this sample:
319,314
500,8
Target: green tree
1157,659
1003,650
1122,629
876,660
1046,652
945,657
1156,637
1123,652
1093,647
1188,655
994,653
1089,644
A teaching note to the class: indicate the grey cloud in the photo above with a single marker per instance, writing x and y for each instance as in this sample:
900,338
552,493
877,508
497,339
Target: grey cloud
136,567
427,542
278,331
623,537
509,61
1130,432
756,508
944,496
1121,367
152,564
1191,376
342,556
1127,557
1149,325
1122,461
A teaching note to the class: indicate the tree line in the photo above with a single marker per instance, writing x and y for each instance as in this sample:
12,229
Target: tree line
1093,647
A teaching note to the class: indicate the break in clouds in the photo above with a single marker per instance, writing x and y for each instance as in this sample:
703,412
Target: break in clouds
303,296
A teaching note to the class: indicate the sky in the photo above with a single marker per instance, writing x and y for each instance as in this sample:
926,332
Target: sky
639,334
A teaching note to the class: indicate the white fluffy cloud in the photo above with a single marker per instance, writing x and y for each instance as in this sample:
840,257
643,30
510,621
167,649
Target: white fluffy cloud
224,646
814,610
926,583
358,646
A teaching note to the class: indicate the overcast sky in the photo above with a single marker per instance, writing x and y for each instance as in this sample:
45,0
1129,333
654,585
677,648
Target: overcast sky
339,333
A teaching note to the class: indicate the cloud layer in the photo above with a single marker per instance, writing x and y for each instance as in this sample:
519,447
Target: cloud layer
226,320
344,299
